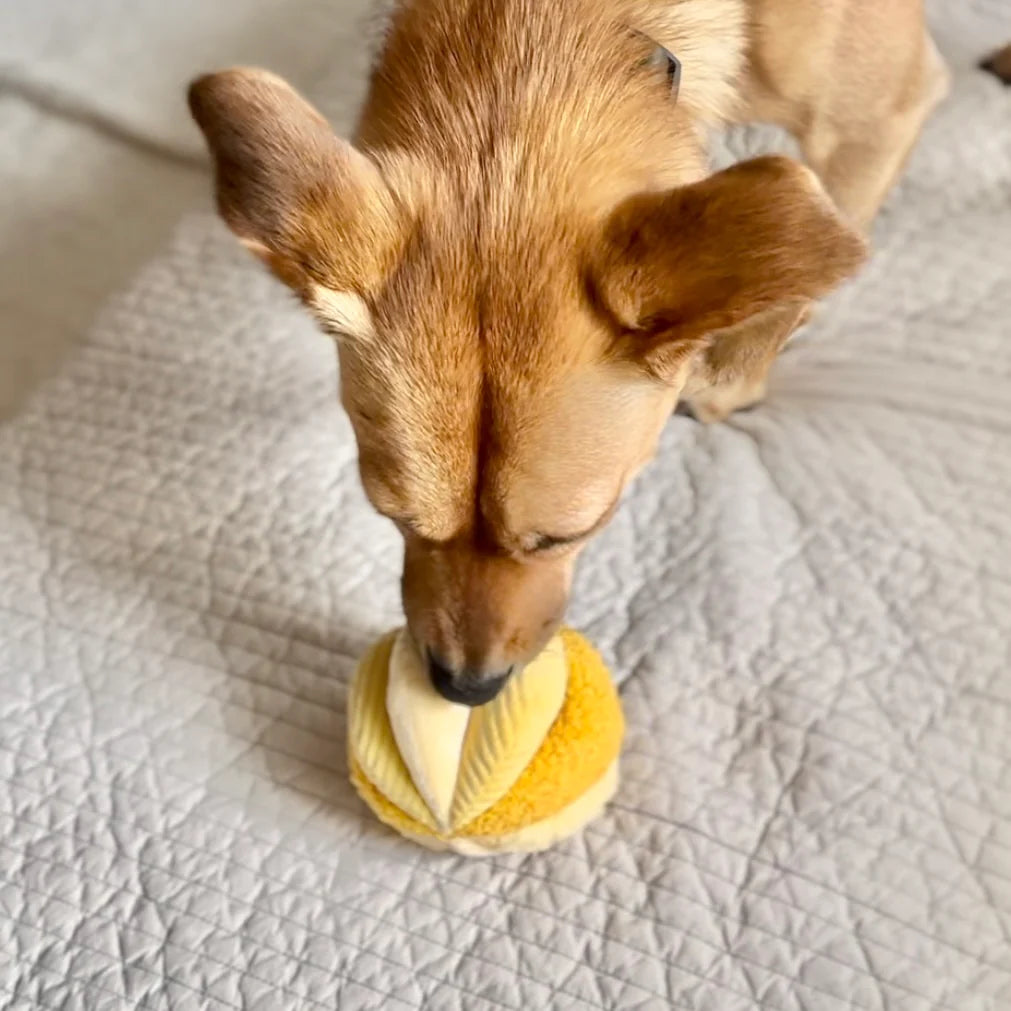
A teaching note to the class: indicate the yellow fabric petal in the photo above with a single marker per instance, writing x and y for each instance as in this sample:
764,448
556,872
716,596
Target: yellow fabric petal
504,735
583,742
371,745
389,814
545,833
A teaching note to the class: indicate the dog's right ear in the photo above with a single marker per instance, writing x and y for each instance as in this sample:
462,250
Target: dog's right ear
679,269
310,205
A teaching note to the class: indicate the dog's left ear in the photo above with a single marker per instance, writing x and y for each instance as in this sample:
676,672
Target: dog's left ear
677,267
310,205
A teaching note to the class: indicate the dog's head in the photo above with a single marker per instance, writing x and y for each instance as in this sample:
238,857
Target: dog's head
508,350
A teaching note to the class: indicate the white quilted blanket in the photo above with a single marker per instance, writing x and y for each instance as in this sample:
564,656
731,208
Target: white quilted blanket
126,64
808,610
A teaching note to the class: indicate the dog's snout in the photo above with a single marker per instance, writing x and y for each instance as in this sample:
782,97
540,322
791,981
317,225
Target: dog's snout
476,615
465,687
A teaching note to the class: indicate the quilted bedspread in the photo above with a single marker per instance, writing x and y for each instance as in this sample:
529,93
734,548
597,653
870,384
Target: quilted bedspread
808,610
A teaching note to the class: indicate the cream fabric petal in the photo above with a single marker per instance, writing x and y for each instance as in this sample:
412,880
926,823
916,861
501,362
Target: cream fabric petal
429,731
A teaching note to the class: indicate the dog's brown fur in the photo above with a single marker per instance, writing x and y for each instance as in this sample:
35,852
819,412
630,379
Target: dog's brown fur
999,64
526,264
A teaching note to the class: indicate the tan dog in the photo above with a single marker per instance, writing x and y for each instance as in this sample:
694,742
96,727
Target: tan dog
526,263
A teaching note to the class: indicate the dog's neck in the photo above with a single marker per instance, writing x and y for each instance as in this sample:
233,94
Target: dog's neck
519,92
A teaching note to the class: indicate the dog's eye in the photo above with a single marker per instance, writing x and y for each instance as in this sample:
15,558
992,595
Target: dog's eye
546,542
540,543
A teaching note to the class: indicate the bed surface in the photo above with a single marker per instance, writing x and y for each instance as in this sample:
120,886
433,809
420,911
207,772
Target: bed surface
808,611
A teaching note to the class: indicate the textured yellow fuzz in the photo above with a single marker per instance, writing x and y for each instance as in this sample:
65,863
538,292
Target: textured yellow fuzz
534,766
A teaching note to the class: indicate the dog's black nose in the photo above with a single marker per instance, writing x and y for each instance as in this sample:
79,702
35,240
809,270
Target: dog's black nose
467,688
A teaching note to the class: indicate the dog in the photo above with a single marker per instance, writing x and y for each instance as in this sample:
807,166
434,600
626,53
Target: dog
526,262
999,64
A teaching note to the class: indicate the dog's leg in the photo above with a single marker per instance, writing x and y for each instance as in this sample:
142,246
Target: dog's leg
858,144
733,373
859,161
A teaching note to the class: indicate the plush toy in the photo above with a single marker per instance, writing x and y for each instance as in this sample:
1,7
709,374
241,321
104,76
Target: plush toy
519,773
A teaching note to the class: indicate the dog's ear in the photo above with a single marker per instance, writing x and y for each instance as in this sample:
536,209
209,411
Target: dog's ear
676,268
315,209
